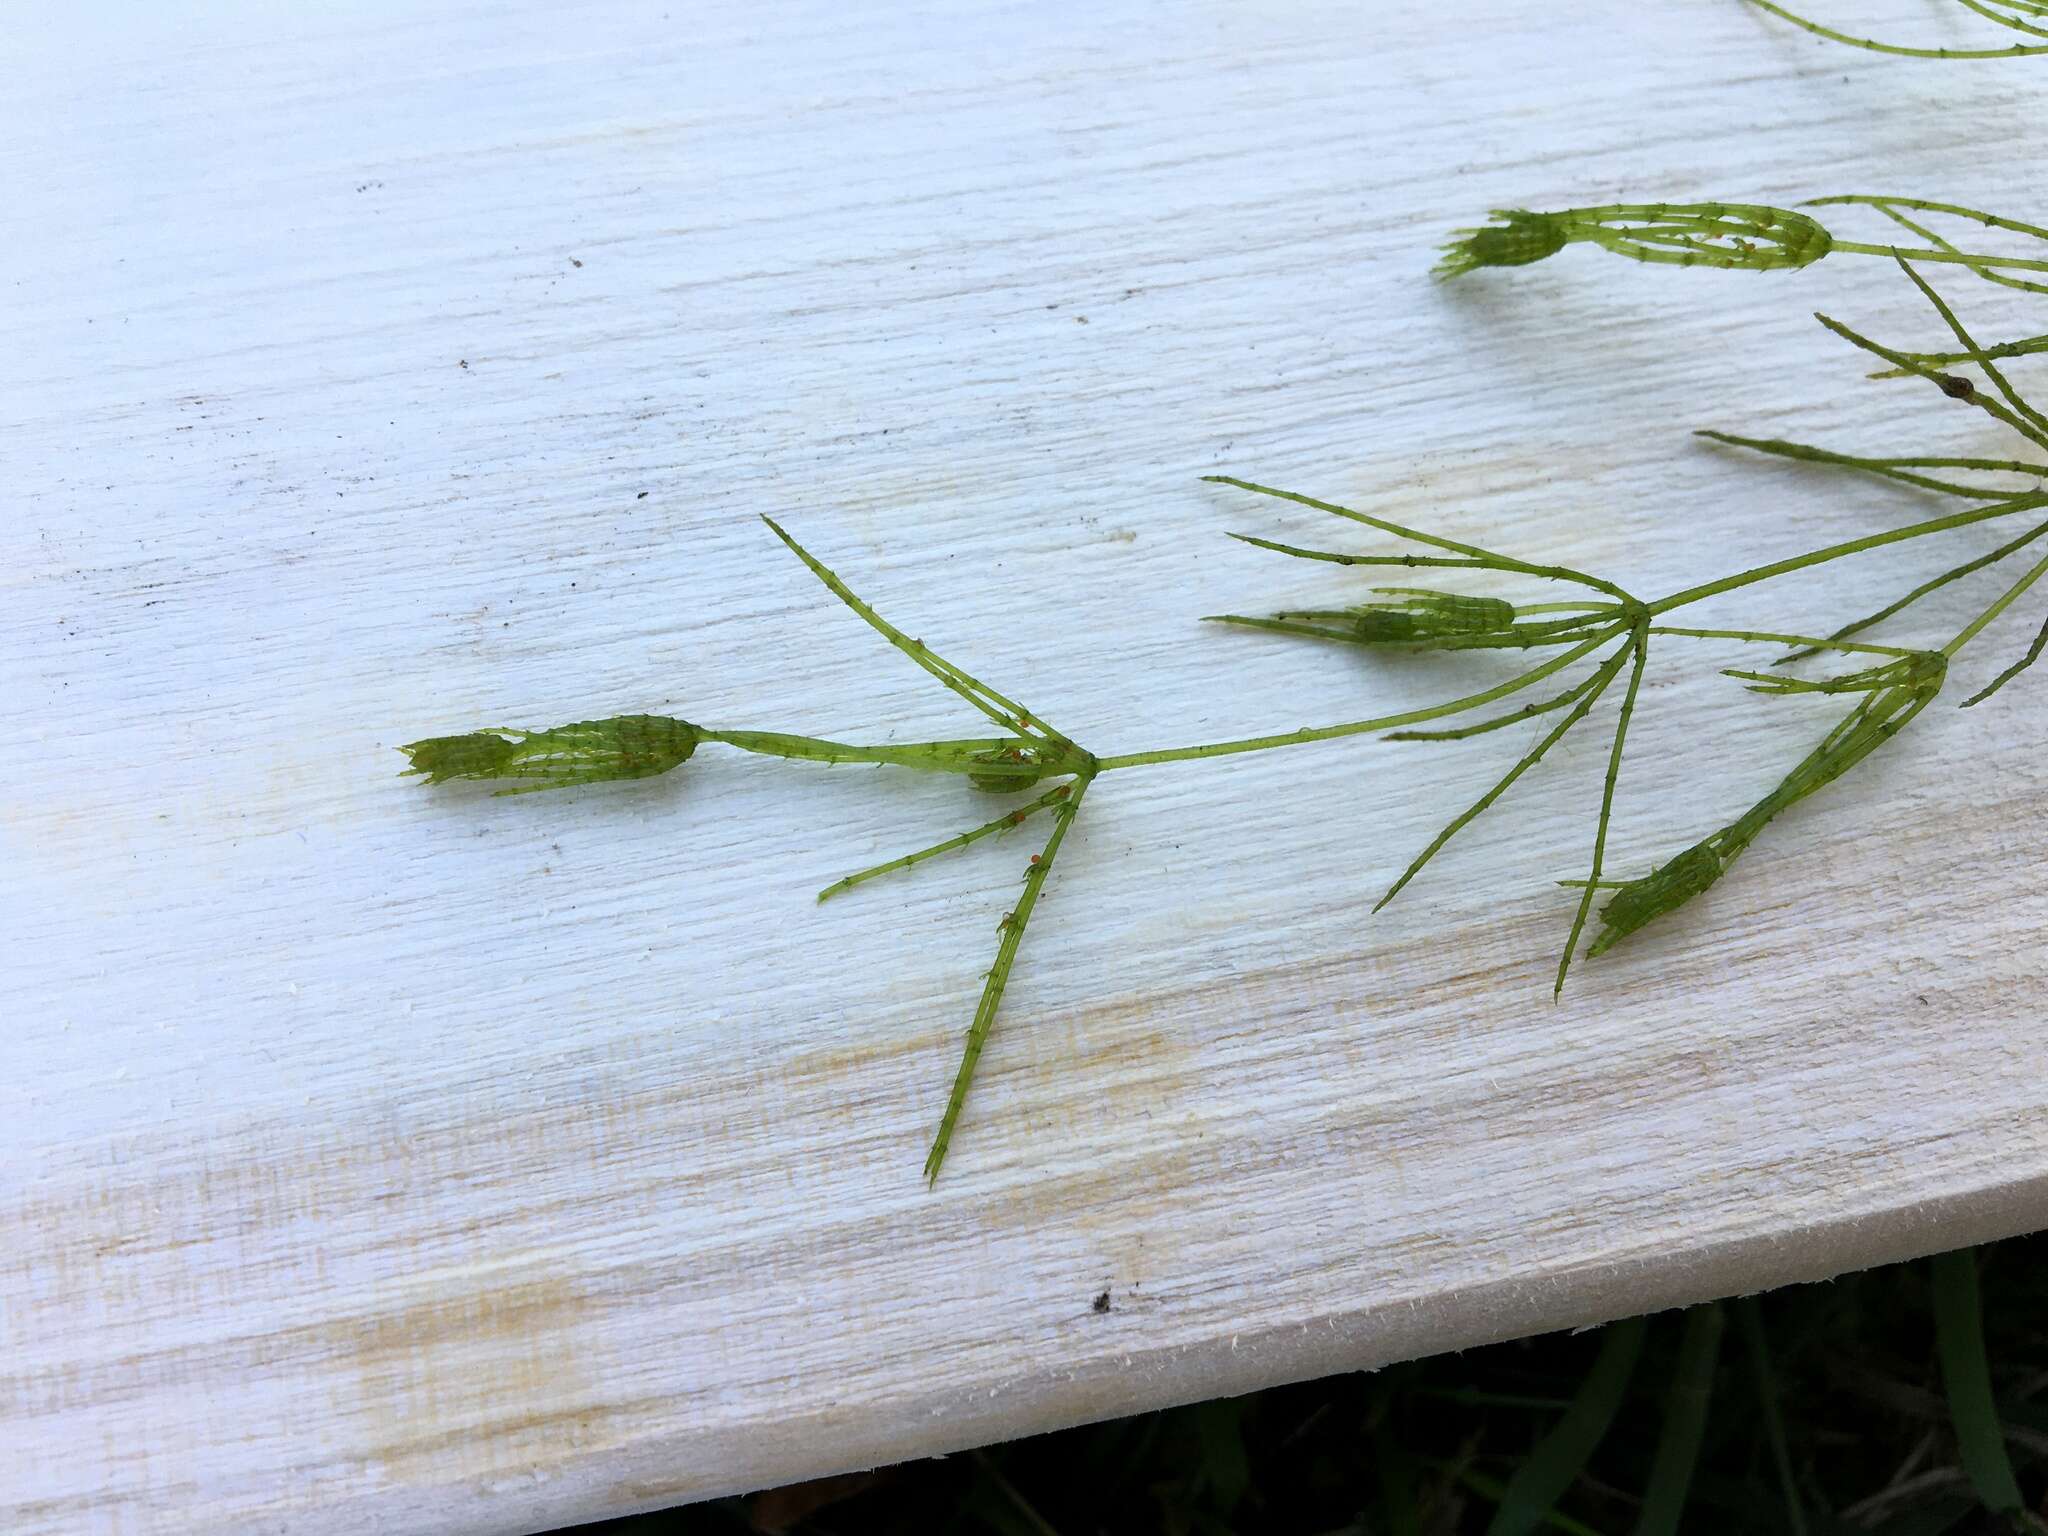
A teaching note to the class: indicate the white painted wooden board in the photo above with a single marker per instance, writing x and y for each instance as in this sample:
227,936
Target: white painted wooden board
373,1158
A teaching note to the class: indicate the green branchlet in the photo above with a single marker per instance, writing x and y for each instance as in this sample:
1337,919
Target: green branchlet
1516,238
1880,717
1419,620
1913,671
1664,889
1635,903
474,755
1988,9
1422,618
1745,236
587,752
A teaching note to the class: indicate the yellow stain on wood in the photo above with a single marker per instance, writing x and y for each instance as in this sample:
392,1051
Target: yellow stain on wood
474,1369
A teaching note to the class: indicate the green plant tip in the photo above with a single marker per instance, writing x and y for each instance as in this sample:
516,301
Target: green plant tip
1423,617
1519,238
1743,236
1664,889
586,752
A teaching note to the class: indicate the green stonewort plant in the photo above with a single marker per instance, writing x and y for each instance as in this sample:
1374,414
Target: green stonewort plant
1598,637
638,746
2026,17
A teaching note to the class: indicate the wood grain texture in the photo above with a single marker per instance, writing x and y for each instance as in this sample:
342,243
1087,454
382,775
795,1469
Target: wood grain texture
375,1159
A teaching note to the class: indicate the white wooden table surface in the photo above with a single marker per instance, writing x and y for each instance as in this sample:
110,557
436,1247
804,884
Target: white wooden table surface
378,1159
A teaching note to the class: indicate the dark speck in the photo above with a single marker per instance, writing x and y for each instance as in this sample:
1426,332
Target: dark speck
1101,1303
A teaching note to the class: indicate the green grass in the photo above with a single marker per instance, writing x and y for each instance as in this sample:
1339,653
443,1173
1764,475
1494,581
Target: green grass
1905,1401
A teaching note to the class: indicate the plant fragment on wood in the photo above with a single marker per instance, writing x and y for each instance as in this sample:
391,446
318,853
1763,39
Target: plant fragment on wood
1595,639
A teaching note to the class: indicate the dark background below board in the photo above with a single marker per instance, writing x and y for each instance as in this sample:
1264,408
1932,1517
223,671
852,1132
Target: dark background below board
1823,1409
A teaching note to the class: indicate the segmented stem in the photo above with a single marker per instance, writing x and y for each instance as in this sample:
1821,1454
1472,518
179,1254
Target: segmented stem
1932,584
1640,643
1004,711
1002,823
1945,382
1485,556
1982,266
2012,396
1589,692
1358,727
2005,600
2029,502
923,756
2027,346
1872,45
1496,722
2033,655
1899,469
1773,637
999,976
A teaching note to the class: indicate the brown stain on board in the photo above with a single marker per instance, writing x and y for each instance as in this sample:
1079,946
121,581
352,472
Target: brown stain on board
474,1370
495,1363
